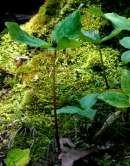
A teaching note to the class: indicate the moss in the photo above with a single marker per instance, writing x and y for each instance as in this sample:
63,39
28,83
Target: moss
31,95
52,12
35,132
75,75
76,66
9,50
38,23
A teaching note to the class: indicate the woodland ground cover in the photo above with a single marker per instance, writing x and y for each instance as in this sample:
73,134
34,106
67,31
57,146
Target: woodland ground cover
26,95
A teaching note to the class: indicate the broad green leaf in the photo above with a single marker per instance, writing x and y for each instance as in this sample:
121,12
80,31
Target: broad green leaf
125,42
67,43
114,33
21,36
116,99
117,21
69,28
126,57
96,11
88,113
18,157
90,36
69,110
88,101
67,31
125,81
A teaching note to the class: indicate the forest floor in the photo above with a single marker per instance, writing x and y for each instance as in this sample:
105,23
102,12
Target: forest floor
26,117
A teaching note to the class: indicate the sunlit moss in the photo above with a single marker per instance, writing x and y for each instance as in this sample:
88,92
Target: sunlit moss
9,50
31,93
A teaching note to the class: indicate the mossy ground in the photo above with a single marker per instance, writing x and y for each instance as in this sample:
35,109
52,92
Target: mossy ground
29,101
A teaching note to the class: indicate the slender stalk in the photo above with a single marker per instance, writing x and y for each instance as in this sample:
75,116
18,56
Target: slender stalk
103,67
127,115
54,101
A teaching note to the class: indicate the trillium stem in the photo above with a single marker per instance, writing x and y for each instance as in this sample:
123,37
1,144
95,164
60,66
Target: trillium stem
54,101
103,67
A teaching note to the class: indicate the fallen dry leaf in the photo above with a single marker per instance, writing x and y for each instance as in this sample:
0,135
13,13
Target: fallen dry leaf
68,159
64,142
69,155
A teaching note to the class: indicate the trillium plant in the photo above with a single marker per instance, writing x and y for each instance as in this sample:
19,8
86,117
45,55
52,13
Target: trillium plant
67,34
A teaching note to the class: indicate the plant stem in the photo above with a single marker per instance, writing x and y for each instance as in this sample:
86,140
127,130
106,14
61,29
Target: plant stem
54,101
103,67
127,114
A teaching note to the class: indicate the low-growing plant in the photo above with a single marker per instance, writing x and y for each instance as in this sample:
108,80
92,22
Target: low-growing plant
67,34
115,98
18,157
119,98
85,109
64,36
125,42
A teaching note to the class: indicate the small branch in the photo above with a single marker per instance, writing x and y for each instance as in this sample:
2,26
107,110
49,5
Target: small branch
109,121
103,67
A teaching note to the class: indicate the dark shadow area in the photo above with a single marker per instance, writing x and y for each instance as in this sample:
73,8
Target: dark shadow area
119,6
19,11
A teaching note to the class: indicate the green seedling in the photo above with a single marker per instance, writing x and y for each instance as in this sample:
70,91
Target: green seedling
119,99
67,34
119,23
125,42
85,109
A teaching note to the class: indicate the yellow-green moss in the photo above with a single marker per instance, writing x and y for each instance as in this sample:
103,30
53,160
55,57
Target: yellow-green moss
74,68
9,50
75,75
39,23
31,94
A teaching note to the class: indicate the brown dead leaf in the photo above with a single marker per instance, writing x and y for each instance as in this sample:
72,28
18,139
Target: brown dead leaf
64,142
68,159
69,155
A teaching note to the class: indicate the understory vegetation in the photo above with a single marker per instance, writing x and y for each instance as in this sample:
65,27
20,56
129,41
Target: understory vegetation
78,78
